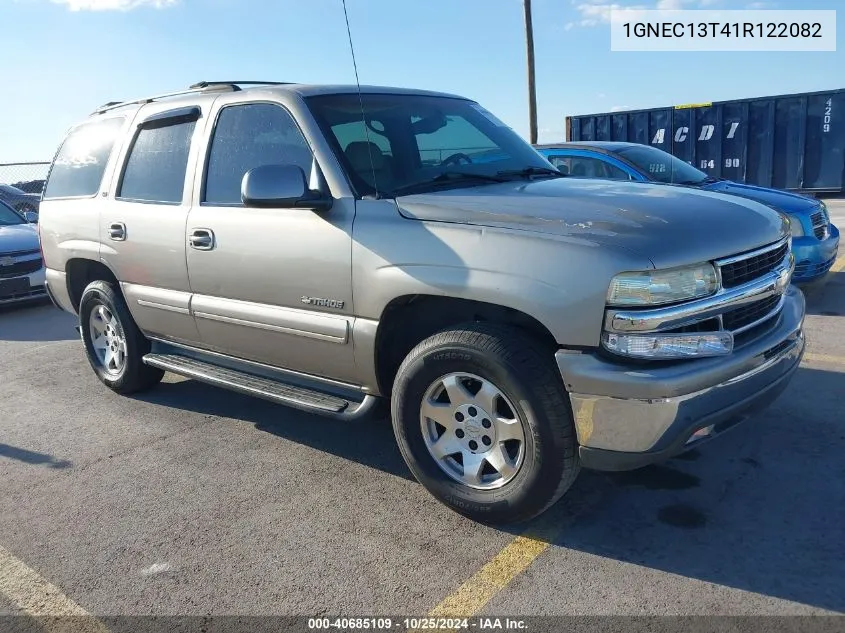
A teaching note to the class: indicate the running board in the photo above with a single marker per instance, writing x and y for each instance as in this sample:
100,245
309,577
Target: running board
295,396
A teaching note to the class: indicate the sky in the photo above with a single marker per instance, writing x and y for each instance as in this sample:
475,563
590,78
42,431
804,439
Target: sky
63,58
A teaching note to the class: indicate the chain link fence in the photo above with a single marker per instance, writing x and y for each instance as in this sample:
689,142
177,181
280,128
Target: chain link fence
28,177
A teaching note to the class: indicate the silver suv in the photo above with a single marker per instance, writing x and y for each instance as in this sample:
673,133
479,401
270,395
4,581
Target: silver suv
325,248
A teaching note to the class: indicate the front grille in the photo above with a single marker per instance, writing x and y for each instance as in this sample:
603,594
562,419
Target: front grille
806,268
820,221
739,272
748,314
708,325
19,269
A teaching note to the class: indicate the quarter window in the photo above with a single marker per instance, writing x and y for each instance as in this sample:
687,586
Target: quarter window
155,169
81,161
248,136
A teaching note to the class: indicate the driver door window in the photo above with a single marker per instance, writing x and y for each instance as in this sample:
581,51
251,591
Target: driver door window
248,136
561,162
582,167
612,172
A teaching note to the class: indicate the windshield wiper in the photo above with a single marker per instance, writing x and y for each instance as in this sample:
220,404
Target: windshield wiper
447,176
530,171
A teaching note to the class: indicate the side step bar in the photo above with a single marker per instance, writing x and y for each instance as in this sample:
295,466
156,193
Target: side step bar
295,396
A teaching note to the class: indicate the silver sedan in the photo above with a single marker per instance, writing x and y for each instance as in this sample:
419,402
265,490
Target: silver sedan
21,265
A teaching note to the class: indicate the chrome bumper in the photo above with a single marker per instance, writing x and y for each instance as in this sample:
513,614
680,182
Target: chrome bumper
627,416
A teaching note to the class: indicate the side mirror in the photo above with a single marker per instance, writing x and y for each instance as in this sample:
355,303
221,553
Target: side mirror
282,187
30,216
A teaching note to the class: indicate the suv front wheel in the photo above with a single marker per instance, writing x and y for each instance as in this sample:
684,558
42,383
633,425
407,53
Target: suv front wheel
484,422
113,343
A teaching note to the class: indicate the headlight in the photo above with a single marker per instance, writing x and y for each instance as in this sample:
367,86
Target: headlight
657,346
795,226
656,287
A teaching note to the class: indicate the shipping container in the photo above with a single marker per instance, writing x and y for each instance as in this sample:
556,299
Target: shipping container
794,141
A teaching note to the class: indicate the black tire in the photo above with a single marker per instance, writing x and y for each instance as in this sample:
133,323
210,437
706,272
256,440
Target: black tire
135,375
525,373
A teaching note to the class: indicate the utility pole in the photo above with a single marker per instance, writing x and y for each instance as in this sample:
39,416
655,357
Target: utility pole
532,93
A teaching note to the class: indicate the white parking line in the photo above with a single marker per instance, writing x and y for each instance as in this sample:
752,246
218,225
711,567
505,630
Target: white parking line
34,596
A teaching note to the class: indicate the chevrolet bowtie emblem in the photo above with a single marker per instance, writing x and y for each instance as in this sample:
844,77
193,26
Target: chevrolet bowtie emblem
7,260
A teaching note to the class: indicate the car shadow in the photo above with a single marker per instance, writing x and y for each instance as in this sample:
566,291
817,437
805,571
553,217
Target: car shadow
36,321
32,457
368,441
826,297
761,509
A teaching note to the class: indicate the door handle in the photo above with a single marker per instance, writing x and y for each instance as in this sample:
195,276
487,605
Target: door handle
201,239
117,231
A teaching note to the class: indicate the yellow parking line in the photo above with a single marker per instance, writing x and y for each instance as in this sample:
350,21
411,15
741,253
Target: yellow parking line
824,358
510,562
34,596
838,265
470,597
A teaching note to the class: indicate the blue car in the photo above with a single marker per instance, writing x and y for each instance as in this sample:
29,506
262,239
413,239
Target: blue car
815,241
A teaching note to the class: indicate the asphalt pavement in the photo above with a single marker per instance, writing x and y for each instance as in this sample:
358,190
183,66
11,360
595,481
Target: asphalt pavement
192,500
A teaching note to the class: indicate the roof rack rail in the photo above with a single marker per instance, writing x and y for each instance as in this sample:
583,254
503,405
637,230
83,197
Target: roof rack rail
235,84
200,86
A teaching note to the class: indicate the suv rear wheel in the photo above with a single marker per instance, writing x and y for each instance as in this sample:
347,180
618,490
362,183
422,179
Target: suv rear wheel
113,343
484,423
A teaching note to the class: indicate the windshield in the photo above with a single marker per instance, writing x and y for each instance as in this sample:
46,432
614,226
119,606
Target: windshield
662,166
414,143
8,216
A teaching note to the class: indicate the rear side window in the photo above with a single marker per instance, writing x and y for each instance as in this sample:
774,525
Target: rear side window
81,161
155,168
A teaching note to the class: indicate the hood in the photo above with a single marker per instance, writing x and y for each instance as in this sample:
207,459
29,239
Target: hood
671,226
20,237
780,200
